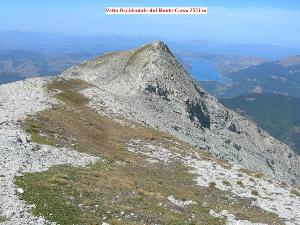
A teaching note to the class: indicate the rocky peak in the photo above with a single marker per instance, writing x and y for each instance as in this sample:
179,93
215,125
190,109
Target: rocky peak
135,71
150,86
160,46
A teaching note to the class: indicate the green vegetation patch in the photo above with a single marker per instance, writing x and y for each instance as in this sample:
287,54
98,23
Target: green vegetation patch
34,128
56,201
136,195
240,183
226,182
254,192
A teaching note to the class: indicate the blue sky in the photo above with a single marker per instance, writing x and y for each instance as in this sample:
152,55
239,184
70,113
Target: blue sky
256,21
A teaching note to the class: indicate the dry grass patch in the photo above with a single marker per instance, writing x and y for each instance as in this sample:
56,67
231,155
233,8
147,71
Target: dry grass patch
283,184
3,219
212,185
259,175
295,192
246,171
252,180
58,179
240,183
254,192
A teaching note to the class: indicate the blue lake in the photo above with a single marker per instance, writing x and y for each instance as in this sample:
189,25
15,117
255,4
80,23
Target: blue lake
203,71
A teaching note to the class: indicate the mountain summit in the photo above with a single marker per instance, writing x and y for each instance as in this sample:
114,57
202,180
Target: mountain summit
150,86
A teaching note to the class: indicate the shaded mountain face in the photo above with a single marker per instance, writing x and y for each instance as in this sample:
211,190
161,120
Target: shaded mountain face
277,114
280,77
148,85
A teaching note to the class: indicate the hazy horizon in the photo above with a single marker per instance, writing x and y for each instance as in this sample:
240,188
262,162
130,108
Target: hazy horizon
154,38
230,22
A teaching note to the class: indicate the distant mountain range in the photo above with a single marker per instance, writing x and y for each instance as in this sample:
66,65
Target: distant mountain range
223,64
19,64
27,54
278,77
57,43
277,114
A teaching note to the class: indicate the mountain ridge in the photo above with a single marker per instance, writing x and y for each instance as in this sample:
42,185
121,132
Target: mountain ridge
290,61
78,152
162,95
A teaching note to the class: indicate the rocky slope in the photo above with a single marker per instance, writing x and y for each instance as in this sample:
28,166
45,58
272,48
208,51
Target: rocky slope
19,154
149,85
67,159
